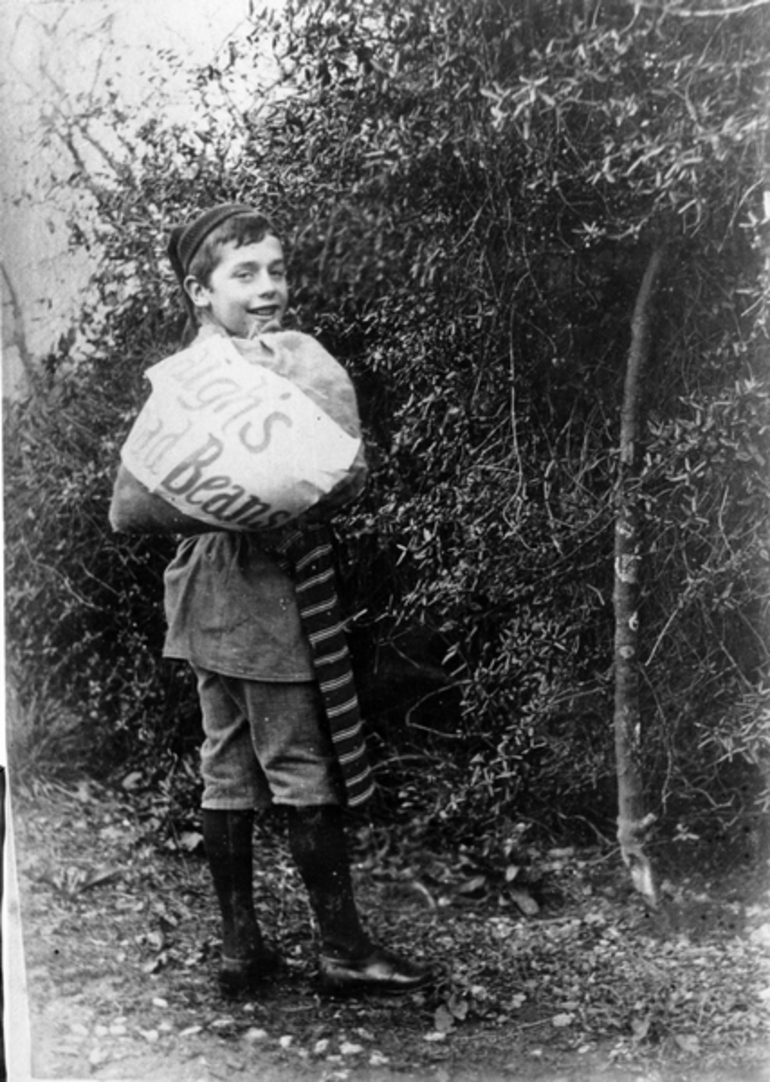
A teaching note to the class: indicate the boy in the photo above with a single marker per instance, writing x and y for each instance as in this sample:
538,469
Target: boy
243,609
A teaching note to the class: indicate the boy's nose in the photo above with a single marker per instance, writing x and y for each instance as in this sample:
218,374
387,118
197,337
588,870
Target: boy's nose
265,286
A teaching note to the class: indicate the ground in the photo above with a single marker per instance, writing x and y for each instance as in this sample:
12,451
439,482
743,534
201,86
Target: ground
550,968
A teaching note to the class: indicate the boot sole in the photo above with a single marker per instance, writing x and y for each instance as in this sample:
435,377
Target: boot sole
342,989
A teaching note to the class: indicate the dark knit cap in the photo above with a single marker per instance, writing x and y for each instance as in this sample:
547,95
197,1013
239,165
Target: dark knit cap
185,240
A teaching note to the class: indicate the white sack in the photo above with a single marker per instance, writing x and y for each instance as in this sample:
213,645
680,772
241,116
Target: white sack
232,443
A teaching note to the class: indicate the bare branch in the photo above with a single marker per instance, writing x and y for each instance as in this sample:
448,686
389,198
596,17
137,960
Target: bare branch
709,14
18,338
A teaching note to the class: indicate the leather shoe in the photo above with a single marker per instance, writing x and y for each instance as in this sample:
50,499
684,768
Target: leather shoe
382,972
244,974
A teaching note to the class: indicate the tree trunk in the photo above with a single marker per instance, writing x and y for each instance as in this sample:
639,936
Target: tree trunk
633,824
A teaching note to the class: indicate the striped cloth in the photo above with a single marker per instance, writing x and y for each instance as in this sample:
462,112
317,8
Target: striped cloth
307,556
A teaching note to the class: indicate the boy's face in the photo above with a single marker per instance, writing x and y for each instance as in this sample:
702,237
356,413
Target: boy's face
247,292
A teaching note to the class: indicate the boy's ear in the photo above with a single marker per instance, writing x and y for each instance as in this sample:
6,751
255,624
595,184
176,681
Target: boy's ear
197,292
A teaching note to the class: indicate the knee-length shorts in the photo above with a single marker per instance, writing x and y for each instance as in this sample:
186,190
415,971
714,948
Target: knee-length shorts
264,743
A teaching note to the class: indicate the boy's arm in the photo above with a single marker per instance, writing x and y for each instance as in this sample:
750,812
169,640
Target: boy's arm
134,509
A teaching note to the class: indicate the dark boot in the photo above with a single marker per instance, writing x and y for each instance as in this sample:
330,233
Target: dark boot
349,960
319,848
246,960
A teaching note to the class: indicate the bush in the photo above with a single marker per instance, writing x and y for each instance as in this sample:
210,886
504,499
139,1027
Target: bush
469,199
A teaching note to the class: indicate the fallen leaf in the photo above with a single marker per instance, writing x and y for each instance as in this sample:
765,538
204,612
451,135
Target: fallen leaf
688,1043
640,1027
443,1019
524,901
155,964
190,840
254,1034
562,1020
761,935
472,886
96,879
222,1023
458,1008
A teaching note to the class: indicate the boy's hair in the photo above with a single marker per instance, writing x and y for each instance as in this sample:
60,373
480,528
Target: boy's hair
248,228
194,248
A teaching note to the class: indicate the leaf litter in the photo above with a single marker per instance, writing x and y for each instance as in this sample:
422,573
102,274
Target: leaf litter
121,942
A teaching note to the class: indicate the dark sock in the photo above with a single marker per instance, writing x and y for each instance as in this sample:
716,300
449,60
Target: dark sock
227,836
318,846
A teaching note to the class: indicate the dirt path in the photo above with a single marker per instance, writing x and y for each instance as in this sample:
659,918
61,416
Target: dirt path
120,944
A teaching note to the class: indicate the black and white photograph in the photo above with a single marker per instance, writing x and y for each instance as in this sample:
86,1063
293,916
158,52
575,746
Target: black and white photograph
386,476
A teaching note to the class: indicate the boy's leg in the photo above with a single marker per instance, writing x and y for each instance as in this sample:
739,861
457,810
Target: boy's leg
319,848
297,757
232,787
350,962
295,752
228,838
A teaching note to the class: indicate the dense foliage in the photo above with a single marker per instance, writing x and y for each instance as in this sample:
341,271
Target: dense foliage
470,192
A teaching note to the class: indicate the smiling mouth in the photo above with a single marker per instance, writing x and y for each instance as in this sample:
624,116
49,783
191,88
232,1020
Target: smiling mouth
264,319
